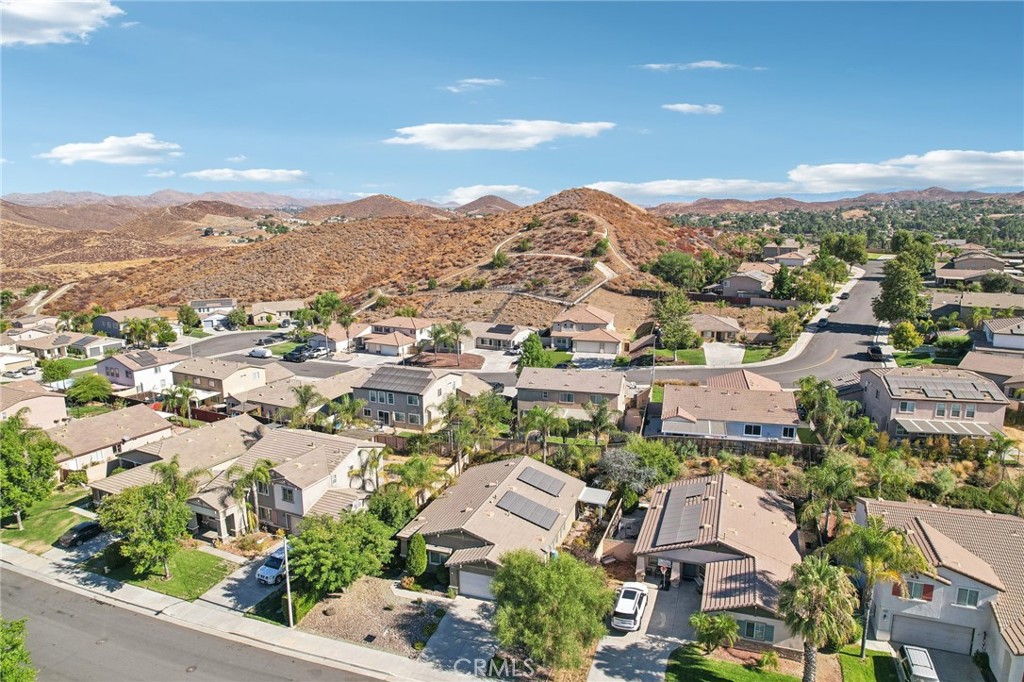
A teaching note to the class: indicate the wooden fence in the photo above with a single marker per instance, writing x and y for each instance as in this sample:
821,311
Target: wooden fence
609,531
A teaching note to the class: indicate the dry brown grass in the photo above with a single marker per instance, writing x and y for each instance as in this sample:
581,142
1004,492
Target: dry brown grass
630,311
752,319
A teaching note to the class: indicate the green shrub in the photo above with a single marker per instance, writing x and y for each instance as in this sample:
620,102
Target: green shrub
416,560
429,629
769,662
439,612
303,601
971,497
621,361
432,283
419,646
452,593
441,575
630,500
381,302
76,478
112,557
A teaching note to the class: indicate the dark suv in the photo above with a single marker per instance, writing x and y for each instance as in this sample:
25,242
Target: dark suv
297,355
875,353
86,530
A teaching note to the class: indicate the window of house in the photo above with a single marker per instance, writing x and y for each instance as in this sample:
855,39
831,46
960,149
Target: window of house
597,400
288,495
789,432
382,415
436,558
940,410
367,412
211,381
751,429
876,393
262,488
761,632
566,397
118,447
391,398
915,591
954,410
966,597
900,431
399,416
414,419
906,406
372,396
264,513
334,479
969,410
413,400
439,392
543,395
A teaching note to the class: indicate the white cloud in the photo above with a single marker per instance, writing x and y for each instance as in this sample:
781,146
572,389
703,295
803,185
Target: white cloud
952,169
129,24
39,22
239,158
3,161
712,109
470,84
507,135
157,173
464,195
132,150
251,175
711,64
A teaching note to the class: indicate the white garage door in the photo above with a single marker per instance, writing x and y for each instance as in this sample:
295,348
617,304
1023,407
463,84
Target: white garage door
475,585
932,634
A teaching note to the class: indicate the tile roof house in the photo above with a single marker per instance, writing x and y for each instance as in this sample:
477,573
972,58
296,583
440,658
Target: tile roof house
415,328
1005,332
491,509
214,305
213,380
743,380
750,283
30,321
1006,370
410,398
277,400
965,302
95,346
729,413
715,327
586,329
771,249
52,346
802,257
113,322
766,268
738,541
394,344
974,600
494,336
568,390
268,312
144,371
917,402
94,442
338,338
44,409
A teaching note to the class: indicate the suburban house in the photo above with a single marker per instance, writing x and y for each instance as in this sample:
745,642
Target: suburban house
16,334
95,441
492,509
95,346
274,312
51,346
737,542
213,380
966,302
586,329
729,413
569,390
742,380
113,322
410,398
773,249
1005,370
715,327
277,401
214,305
14,362
800,258
491,336
144,371
7,344
209,321
338,338
394,344
43,409
974,600
758,266
1005,332
415,328
31,321
950,276
917,402
752,283
977,260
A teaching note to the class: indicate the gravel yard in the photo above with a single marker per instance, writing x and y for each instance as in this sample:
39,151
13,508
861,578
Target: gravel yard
362,613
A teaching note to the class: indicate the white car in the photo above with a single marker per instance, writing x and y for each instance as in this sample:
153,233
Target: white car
915,665
272,571
318,352
629,607
261,353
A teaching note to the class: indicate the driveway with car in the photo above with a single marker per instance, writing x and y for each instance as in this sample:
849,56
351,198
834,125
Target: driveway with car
240,591
955,667
76,555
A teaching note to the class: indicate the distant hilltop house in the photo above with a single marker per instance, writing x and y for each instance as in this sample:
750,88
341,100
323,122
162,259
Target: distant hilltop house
214,305
586,329
113,322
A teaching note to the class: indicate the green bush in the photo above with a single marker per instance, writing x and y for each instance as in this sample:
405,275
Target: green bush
76,478
955,343
416,560
971,497
441,575
630,500
112,557
439,612
452,593
419,646
621,361
303,601
429,629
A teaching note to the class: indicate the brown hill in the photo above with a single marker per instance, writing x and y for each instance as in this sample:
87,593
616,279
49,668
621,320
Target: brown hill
74,217
174,223
376,206
487,205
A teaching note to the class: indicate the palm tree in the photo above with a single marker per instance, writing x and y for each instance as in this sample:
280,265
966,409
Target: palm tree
346,411
369,465
65,321
817,603
1001,448
601,419
182,485
417,474
575,459
303,317
456,332
346,316
547,420
439,336
246,482
178,399
135,330
889,469
326,307
877,554
829,483
307,399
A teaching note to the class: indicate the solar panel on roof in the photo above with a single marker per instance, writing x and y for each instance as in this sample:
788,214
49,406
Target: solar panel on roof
502,329
680,522
541,481
145,358
528,510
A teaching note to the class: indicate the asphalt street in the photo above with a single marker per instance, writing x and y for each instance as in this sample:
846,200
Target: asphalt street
71,637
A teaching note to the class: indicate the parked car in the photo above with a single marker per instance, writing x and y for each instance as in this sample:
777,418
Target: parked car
272,571
12,374
296,355
86,530
823,322
265,342
833,308
915,665
875,353
318,352
159,346
218,327
845,295
801,412
260,353
29,371
629,607
284,323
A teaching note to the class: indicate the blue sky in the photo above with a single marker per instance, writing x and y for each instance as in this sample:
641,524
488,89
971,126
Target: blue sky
654,102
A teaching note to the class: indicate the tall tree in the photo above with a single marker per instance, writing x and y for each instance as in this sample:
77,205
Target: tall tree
876,554
441,336
178,399
151,521
672,313
904,336
714,631
346,316
890,474
88,388
783,283
307,400
679,269
188,317
182,484
457,331
417,475
600,419
237,317
345,411
817,603
28,462
15,661
65,321
329,554
533,353
246,482
829,483
326,307
547,421
391,506
900,297
56,370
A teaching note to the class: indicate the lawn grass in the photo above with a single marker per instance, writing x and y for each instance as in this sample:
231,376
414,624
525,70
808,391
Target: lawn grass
879,666
192,574
44,522
79,363
658,393
198,334
807,435
904,359
877,256
691,356
79,411
269,609
284,347
556,357
756,354
687,664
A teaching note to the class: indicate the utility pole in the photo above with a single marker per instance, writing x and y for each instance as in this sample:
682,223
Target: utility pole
288,585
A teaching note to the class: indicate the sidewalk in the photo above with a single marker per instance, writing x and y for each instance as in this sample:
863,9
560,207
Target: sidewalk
227,624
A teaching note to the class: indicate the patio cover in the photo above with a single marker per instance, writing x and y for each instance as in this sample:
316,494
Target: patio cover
595,496
947,428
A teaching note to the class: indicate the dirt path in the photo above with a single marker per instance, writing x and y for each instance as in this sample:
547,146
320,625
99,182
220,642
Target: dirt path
39,303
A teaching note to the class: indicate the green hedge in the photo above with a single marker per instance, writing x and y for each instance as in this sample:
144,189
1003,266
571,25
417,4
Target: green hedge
303,601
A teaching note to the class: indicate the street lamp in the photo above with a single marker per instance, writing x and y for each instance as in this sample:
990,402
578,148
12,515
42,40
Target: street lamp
288,584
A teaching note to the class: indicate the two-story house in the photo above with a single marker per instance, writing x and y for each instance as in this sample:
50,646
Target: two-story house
275,312
410,398
586,329
964,303
569,390
212,380
43,409
214,305
977,260
773,249
971,600
1005,332
751,283
338,338
917,402
31,321
415,328
112,323
736,542
800,258
729,413
144,371
278,401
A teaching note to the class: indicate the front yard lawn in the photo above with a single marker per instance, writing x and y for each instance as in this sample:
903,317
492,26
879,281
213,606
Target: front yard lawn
756,354
690,356
79,411
284,347
556,357
44,522
198,334
687,664
912,359
79,363
192,573
879,666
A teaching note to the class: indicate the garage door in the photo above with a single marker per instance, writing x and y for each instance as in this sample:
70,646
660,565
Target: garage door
932,634
475,585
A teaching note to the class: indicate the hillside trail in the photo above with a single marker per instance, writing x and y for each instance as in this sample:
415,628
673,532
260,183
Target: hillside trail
39,301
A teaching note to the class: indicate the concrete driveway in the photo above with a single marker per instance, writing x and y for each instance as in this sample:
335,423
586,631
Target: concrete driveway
718,354
593,361
463,637
240,591
955,667
73,556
